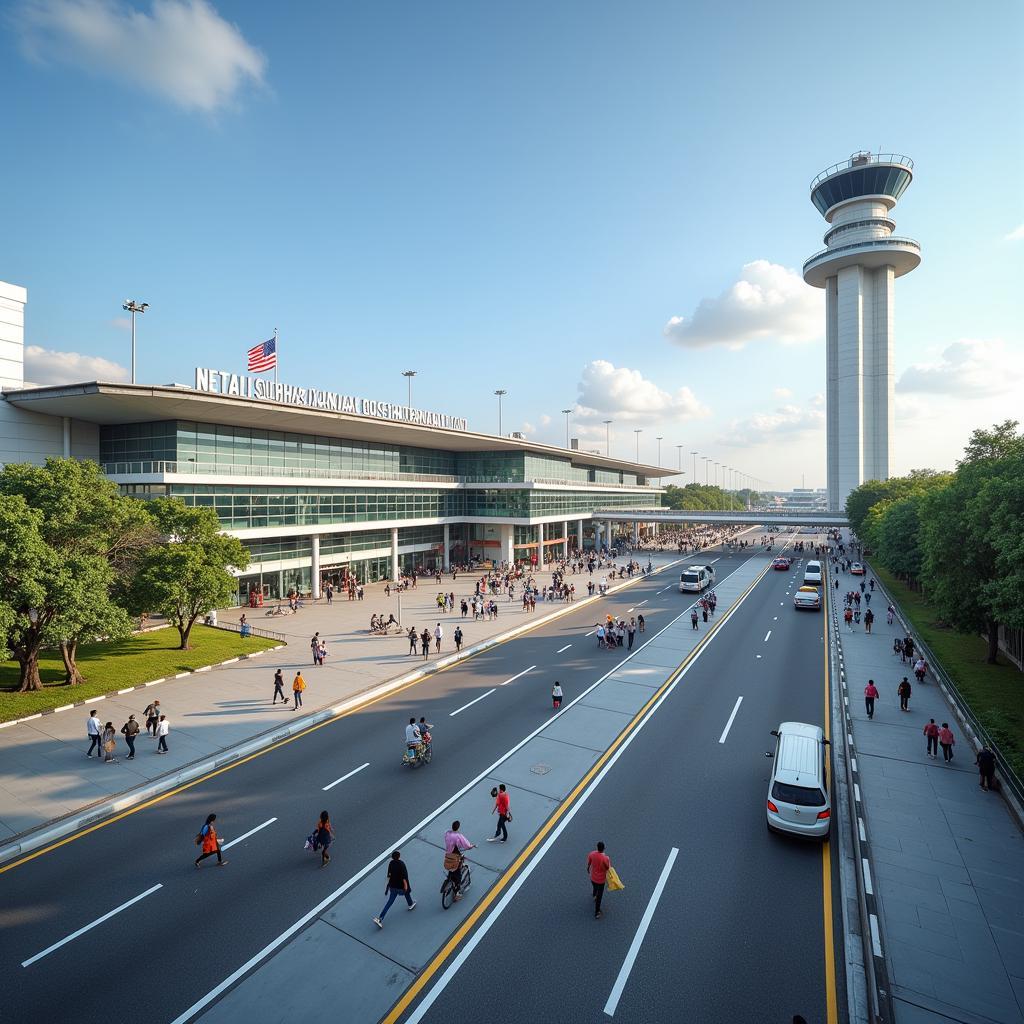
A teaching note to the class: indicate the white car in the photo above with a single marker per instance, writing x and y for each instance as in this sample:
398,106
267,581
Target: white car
696,578
798,801
807,597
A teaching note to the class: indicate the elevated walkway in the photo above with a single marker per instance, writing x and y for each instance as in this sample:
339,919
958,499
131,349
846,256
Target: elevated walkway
751,517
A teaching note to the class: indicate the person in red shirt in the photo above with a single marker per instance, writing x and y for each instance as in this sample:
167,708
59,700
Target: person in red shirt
501,806
870,694
931,730
598,863
946,741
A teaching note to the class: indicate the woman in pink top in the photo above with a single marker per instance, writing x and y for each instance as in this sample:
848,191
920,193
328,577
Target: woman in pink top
598,863
870,693
946,741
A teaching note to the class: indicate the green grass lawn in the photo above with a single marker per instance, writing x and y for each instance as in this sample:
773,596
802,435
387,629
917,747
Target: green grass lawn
995,693
115,666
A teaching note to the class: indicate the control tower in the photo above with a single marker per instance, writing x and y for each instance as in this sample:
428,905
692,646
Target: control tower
857,268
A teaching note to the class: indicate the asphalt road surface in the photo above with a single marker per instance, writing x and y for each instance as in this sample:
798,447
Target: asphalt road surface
187,930
738,930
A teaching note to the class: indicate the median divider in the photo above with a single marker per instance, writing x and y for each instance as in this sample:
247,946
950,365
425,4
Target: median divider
38,841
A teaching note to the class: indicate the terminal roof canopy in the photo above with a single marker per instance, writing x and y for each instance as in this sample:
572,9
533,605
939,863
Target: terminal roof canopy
105,404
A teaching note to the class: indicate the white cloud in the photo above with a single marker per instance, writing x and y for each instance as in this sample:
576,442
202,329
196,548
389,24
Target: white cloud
969,368
182,50
768,301
1016,235
622,394
776,427
44,366
782,393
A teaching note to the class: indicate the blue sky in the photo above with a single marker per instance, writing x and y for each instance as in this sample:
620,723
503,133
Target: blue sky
520,197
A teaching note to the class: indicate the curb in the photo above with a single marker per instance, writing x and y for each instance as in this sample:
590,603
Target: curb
138,686
33,840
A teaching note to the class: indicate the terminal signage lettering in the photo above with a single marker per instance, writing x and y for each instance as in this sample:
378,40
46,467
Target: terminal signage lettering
221,382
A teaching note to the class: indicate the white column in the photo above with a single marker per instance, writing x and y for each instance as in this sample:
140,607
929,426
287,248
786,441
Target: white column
565,539
65,422
608,529
507,536
636,532
394,553
579,535
832,390
850,322
445,558
314,566
540,545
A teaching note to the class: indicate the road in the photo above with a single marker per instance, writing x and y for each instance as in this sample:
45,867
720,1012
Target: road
196,927
740,930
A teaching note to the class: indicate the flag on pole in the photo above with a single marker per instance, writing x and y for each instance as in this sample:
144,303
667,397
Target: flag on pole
263,357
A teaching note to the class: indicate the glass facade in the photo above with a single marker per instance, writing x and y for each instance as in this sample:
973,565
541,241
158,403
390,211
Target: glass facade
869,180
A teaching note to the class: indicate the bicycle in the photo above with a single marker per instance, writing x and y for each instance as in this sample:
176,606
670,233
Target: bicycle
448,890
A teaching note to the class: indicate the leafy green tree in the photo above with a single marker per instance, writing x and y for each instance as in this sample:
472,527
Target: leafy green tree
88,534
188,572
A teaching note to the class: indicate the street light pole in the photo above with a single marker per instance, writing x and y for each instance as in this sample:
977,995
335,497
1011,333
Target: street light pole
408,375
659,440
567,411
134,307
638,432
608,437
694,477
707,459
499,393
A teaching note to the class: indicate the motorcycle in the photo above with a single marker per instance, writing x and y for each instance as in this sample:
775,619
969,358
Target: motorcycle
422,754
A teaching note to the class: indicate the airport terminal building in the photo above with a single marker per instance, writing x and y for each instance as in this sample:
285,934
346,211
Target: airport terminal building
319,486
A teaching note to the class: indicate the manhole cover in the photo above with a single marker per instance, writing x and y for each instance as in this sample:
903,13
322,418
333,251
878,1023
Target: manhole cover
540,769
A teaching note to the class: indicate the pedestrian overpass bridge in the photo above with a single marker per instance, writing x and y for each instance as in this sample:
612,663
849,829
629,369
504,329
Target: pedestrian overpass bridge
751,517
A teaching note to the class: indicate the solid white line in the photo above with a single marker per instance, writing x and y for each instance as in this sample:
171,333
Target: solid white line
868,888
354,771
641,932
728,725
89,927
471,703
559,651
876,942
332,897
252,831
523,673
768,634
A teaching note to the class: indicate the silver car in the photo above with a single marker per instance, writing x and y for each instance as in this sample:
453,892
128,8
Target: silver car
798,800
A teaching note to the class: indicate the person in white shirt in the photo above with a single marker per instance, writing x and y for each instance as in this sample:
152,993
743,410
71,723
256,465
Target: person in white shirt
93,729
438,633
162,729
412,736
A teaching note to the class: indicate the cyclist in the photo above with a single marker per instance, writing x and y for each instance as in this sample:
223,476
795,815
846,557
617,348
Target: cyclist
455,844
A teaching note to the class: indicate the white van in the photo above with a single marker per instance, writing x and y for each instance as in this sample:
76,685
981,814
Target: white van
798,801
696,578
812,574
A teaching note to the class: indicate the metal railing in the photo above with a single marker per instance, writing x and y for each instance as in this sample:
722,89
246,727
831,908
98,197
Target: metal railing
862,160
961,706
190,468
870,243
267,634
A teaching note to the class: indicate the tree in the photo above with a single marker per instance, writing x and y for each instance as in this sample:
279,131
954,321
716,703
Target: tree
188,572
861,499
87,537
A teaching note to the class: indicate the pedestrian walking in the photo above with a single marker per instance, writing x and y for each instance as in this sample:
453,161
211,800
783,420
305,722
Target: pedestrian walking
396,885
210,842
163,727
93,730
438,634
631,633
279,687
931,732
556,695
457,637
890,614
694,619
324,832
704,610
946,741
412,637
641,623
986,762
848,618
109,743
501,808
152,714
425,643
130,730
920,668
598,863
869,617
904,691
870,696
322,651
314,647
298,688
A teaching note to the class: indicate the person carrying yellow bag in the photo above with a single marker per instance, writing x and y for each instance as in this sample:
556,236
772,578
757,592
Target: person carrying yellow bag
613,881
598,866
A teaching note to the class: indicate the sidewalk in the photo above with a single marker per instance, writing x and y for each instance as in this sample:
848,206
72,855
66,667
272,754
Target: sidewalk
45,775
948,858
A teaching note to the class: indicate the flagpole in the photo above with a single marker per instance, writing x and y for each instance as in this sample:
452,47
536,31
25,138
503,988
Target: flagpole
277,355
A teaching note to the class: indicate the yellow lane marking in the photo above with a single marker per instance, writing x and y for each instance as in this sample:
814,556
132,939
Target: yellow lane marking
831,1000
503,882
259,753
